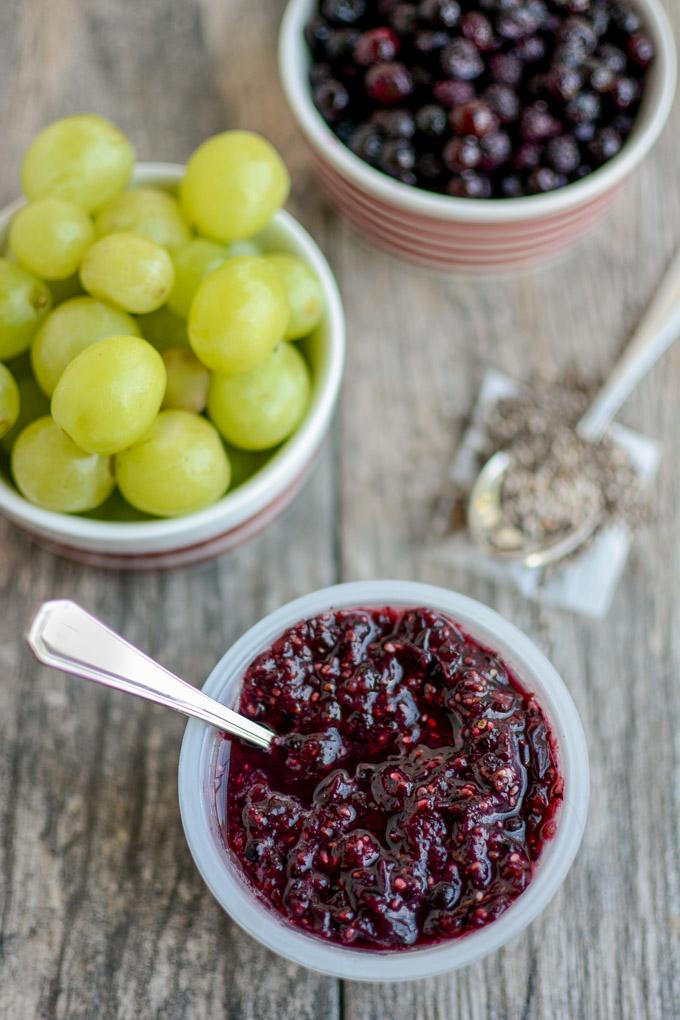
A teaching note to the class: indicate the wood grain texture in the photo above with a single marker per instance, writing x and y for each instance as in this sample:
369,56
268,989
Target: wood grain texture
102,914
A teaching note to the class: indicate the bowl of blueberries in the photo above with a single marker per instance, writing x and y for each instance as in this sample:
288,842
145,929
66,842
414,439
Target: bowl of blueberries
171,347
477,135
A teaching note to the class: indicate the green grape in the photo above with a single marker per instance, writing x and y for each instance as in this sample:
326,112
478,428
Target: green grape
53,473
49,237
109,395
63,290
10,401
179,467
192,262
237,248
149,212
244,463
260,408
83,159
233,185
68,330
33,404
303,291
128,271
188,379
238,315
24,303
163,329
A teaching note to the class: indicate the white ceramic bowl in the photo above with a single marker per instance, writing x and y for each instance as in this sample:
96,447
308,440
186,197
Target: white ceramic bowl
203,752
470,235
236,517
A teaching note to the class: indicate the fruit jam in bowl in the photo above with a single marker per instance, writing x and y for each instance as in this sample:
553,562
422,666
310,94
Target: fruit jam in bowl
477,135
425,796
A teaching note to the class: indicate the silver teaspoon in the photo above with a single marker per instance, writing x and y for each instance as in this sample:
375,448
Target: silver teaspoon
65,637
658,329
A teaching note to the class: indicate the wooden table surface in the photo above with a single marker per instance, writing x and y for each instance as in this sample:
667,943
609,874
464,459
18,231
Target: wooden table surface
102,912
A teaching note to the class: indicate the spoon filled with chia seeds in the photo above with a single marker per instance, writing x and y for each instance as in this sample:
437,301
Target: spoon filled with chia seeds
539,498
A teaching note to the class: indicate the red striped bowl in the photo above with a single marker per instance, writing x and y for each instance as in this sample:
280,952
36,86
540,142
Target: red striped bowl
470,235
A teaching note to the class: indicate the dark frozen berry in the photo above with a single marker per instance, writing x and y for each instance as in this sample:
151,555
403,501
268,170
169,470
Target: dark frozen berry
563,82
517,23
478,29
504,102
564,154
602,79
397,156
432,120
388,83
583,108
605,145
366,142
403,18
473,118
585,131
394,123
527,156
577,37
317,33
340,47
543,178
505,68
462,153
627,19
450,93
538,123
344,12
532,49
376,46
496,150
429,168
612,57
439,13
461,59
641,49
331,99
469,184
429,42
512,187
625,92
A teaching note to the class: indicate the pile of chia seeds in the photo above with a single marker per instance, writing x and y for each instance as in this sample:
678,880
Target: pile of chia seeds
557,476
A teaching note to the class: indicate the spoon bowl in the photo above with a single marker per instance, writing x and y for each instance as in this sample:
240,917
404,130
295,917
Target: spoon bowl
492,533
489,530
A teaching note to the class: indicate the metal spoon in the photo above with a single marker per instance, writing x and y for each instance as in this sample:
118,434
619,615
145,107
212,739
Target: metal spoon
65,637
658,329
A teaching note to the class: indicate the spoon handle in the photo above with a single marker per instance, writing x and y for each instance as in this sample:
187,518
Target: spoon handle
65,637
659,328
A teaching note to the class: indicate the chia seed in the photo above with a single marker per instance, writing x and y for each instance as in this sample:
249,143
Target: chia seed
557,478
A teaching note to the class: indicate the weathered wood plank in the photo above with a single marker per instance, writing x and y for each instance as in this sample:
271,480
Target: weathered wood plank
101,909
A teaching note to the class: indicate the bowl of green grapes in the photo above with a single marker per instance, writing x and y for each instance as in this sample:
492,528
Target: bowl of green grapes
171,347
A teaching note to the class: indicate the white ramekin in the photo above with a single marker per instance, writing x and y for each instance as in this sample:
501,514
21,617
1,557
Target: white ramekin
239,515
202,746
470,235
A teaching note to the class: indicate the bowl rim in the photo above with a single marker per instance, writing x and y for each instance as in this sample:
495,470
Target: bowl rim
221,874
251,494
656,107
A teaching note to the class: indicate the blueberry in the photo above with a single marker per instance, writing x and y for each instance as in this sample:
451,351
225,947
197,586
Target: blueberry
469,184
331,99
461,60
432,120
343,12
